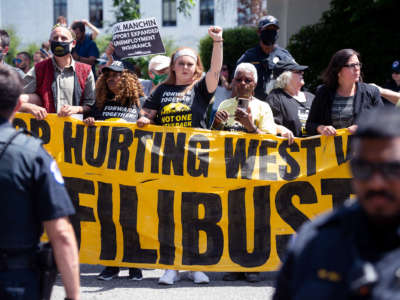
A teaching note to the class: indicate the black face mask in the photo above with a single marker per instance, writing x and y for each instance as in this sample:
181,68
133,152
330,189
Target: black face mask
60,48
269,37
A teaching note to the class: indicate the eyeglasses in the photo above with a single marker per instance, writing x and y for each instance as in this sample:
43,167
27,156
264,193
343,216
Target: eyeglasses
355,65
246,80
363,169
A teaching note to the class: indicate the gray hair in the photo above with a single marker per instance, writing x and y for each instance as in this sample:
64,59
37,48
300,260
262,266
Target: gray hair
283,80
247,67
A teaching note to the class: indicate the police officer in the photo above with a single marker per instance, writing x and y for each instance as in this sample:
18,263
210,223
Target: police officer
354,252
265,55
33,197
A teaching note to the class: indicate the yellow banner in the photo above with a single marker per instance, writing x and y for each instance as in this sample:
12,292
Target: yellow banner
191,199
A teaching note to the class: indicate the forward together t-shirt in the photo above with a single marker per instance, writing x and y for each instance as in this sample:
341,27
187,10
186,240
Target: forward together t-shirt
177,109
113,110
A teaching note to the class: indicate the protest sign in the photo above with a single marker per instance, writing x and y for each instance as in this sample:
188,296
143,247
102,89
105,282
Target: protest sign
191,199
137,38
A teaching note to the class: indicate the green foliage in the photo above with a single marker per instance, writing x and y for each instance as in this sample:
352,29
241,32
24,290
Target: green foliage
126,10
363,25
236,42
102,42
185,6
14,42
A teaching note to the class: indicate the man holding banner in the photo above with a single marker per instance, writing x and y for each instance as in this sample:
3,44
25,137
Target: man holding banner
354,252
59,84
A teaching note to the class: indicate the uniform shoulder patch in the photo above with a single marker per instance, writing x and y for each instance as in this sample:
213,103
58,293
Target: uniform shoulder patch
56,172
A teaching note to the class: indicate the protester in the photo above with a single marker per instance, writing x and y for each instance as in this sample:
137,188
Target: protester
85,50
354,252
265,55
116,88
72,82
118,95
185,93
35,196
343,97
91,35
38,56
158,72
393,83
253,117
23,61
289,104
4,47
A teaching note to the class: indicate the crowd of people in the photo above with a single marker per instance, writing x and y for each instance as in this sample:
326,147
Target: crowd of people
262,95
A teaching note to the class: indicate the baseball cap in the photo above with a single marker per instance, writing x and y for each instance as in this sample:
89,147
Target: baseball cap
116,66
159,62
267,21
102,60
282,66
396,66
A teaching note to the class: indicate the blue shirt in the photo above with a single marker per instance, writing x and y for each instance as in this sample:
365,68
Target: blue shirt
87,48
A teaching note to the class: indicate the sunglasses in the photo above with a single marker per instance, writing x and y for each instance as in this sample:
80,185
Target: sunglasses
17,61
246,80
355,65
364,170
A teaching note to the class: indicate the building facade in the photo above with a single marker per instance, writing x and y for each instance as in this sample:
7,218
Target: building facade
32,20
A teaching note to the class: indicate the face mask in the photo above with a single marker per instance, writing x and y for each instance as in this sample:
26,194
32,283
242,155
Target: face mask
269,37
60,48
158,78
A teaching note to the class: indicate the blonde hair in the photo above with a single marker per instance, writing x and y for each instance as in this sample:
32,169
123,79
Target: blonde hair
198,72
283,80
129,86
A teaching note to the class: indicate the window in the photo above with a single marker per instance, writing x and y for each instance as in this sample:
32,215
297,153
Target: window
60,9
96,13
169,12
206,12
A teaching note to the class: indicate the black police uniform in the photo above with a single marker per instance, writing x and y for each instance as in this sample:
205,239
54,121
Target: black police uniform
264,64
342,256
32,192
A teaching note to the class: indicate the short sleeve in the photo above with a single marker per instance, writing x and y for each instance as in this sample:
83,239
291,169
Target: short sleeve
52,199
30,81
201,88
265,121
154,100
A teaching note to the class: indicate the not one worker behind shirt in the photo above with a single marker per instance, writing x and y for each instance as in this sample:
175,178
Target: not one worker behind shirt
260,111
175,108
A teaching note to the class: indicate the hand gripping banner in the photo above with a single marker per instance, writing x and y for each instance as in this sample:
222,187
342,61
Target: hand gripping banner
191,199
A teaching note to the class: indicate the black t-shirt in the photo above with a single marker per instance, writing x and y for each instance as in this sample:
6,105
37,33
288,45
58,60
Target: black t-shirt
175,109
289,112
33,190
115,110
391,85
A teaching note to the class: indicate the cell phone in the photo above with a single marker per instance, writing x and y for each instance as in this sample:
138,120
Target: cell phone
243,103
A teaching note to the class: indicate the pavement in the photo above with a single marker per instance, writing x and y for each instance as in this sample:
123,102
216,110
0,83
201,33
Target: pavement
121,288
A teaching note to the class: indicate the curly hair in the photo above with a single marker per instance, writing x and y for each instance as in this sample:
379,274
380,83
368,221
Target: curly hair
283,80
129,86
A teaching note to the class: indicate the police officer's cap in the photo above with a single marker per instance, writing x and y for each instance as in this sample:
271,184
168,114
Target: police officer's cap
396,66
267,21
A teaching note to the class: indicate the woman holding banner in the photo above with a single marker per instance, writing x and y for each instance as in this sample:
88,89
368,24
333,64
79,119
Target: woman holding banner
343,97
118,95
182,100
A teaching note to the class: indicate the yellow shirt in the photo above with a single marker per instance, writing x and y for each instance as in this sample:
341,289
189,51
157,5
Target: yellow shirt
260,111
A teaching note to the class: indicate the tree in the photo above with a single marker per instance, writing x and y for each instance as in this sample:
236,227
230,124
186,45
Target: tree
363,25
